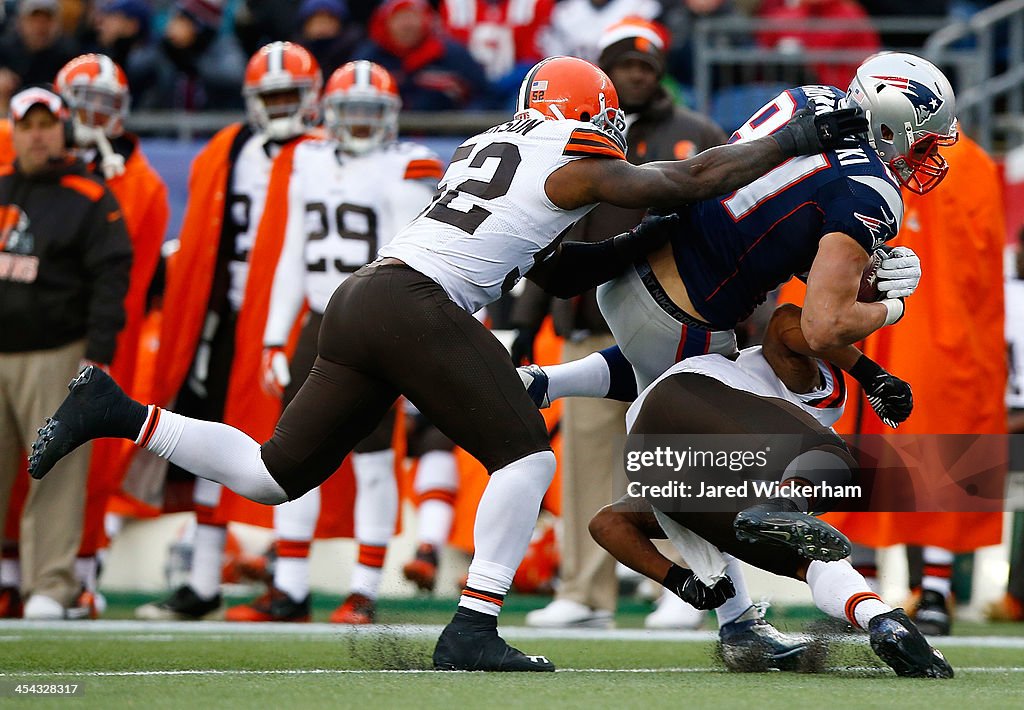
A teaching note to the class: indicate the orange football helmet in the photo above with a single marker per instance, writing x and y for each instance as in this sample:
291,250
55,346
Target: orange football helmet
95,89
361,105
282,85
561,88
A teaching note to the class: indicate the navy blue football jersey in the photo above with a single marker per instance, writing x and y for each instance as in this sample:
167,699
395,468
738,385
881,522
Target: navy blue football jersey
736,248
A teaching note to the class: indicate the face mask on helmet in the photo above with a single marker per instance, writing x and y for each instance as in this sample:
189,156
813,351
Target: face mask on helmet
910,108
361,124
96,110
281,113
282,86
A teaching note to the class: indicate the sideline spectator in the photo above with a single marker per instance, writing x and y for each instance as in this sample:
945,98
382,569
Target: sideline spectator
324,29
123,34
209,67
259,22
853,31
64,264
503,35
34,47
433,72
577,25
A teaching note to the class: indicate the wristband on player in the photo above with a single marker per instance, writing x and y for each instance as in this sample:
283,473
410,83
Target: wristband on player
894,309
865,370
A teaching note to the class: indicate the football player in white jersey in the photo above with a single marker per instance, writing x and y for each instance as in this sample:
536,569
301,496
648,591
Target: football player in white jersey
404,325
780,386
198,366
336,221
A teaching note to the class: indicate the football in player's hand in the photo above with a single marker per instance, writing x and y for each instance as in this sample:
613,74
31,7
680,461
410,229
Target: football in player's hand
869,292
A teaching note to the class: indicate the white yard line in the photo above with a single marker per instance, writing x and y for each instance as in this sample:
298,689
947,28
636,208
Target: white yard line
215,630
344,671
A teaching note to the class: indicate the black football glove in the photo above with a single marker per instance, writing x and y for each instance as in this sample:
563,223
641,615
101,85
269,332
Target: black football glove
522,346
686,585
890,397
808,133
652,233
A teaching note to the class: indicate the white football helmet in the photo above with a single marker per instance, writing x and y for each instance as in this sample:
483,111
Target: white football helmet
911,112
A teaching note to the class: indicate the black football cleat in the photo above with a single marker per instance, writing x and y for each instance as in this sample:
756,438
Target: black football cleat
466,644
896,640
182,605
779,522
932,614
95,408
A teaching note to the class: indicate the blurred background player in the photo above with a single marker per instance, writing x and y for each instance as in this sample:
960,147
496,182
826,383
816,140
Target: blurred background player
207,362
336,221
96,92
633,55
65,259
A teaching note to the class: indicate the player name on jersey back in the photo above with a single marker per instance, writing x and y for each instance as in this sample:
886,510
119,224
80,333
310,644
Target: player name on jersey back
492,220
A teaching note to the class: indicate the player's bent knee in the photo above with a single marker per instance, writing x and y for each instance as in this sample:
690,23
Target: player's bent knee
603,523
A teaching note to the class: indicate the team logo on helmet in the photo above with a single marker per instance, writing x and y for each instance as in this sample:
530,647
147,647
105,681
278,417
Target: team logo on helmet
925,101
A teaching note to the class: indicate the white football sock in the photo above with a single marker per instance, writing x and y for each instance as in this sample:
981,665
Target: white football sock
207,560
10,572
734,608
435,522
436,482
216,452
291,576
366,580
841,592
938,570
296,519
505,519
588,377
294,525
376,509
85,572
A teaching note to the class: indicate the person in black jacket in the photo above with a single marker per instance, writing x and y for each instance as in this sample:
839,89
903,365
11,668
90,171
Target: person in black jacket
65,259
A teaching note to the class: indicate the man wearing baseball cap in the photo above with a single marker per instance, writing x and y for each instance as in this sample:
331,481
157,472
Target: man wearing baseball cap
65,258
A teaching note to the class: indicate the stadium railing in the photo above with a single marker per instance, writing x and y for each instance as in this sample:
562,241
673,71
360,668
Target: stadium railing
983,57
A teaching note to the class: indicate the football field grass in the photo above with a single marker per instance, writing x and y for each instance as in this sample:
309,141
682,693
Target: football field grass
218,665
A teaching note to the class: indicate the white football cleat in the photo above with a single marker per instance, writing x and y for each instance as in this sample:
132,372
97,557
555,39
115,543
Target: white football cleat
565,613
43,608
674,613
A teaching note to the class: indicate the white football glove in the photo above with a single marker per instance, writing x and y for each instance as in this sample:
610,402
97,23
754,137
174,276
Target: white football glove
274,366
899,273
